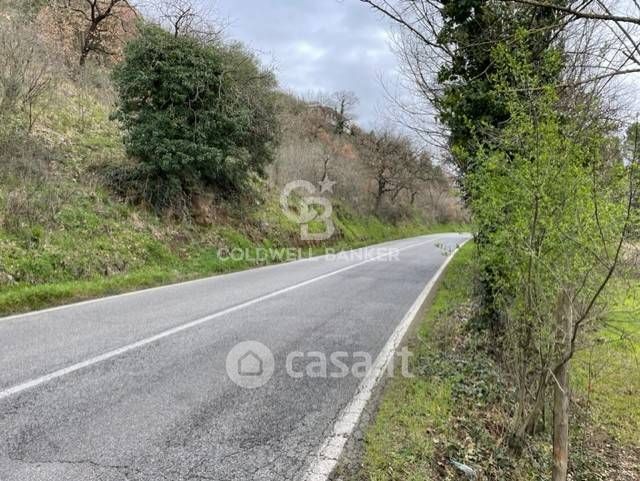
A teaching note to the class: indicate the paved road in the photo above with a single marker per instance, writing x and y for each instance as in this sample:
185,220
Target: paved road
135,387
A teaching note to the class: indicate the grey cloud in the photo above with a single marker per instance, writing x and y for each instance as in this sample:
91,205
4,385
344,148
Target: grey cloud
318,45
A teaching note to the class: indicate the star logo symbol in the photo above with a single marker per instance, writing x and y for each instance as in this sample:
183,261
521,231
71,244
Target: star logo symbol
327,185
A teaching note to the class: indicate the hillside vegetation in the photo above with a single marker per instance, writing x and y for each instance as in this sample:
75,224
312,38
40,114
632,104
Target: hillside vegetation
80,215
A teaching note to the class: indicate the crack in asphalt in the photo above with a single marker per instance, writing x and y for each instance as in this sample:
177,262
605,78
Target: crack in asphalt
125,470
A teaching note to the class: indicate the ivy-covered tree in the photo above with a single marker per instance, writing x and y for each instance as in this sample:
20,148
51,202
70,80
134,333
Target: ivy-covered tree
196,115
560,206
448,48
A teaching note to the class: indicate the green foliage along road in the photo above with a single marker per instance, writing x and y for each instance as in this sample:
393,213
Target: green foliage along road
458,405
196,115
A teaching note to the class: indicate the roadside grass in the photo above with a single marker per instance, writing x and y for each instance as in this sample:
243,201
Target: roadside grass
458,405
607,372
414,419
95,247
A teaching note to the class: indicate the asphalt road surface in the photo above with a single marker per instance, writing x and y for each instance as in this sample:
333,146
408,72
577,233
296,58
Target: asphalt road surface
136,387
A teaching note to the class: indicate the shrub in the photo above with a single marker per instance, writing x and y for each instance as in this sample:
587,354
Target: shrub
195,114
25,77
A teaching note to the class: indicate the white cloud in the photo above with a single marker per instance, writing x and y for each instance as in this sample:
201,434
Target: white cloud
309,52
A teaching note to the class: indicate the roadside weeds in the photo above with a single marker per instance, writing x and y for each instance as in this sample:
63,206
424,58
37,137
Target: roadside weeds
202,262
457,408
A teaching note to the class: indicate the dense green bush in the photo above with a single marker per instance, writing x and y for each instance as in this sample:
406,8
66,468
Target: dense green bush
196,114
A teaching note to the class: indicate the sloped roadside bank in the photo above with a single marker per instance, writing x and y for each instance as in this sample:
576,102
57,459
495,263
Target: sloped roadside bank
152,258
457,409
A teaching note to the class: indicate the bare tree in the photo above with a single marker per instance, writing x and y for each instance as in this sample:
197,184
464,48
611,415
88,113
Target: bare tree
397,169
344,102
95,17
380,153
423,176
337,108
25,71
186,17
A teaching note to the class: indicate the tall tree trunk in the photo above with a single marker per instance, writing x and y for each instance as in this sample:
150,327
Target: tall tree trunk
561,424
379,194
325,167
561,392
83,57
85,48
528,423
378,203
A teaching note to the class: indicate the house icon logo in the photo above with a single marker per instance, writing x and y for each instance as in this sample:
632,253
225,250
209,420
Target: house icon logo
250,364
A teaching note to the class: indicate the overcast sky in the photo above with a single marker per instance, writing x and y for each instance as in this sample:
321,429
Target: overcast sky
331,45
319,46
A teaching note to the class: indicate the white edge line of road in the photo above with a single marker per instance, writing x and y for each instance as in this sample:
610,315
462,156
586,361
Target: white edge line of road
328,456
207,278
169,332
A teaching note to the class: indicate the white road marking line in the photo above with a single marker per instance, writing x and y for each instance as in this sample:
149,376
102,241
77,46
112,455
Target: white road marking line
194,281
144,342
327,457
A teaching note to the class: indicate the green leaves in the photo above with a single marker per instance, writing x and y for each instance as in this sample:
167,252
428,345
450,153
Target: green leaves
548,194
202,115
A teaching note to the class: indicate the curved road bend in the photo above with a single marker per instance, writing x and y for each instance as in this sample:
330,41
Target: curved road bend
134,387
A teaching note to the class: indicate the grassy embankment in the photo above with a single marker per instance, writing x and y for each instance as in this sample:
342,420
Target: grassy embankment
88,244
458,405
607,373
64,236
